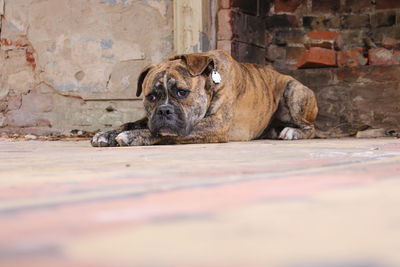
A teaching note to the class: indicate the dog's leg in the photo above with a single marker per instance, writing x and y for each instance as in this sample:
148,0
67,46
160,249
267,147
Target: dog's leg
297,112
105,139
208,130
142,137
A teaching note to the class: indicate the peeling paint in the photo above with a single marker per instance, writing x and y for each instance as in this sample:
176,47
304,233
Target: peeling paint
125,82
148,1
168,39
204,42
106,43
124,3
13,27
160,5
195,48
116,40
109,2
67,87
87,39
85,89
108,56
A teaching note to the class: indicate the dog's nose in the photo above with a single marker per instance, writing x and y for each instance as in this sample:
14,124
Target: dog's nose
165,110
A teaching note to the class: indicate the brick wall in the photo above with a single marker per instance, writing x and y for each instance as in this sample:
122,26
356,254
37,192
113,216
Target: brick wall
354,99
347,51
333,33
291,34
241,29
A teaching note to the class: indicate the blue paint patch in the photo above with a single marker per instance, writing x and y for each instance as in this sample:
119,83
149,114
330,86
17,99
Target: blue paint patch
147,1
108,57
123,3
195,48
109,2
68,87
86,39
84,89
106,44
12,27
168,39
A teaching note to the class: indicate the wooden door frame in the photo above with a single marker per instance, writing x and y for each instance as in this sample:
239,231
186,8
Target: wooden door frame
194,25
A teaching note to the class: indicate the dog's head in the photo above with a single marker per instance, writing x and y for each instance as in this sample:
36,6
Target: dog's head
177,93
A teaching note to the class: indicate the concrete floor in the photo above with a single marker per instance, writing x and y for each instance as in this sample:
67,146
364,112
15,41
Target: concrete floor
326,203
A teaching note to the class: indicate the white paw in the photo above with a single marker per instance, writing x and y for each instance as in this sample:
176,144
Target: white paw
123,139
289,133
99,140
104,139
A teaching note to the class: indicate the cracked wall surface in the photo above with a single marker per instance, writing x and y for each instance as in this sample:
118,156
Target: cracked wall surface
72,64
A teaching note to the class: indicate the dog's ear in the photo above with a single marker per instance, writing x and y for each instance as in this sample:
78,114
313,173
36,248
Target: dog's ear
197,64
141,78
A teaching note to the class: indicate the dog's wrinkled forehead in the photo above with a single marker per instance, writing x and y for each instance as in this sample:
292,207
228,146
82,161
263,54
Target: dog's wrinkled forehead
168,74
165,80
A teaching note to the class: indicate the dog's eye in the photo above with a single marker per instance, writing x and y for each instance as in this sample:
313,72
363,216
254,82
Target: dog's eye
182,93
151,97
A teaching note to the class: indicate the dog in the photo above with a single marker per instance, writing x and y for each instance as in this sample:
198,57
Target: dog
211,98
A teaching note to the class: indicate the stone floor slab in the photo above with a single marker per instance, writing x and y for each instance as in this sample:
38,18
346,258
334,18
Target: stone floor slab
262,203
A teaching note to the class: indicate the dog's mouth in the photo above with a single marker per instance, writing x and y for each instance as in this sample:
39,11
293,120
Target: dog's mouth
164,132
169,123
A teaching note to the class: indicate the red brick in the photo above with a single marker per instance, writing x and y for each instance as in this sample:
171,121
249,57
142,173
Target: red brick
322,44
293,54
225,3
326,6
22,42
224,24
317,57
382,56
323,39
387,4
351,58
388,42
30,57
287,5
323,35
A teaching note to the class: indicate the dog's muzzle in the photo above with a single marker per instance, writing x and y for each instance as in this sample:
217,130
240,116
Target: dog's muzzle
166,121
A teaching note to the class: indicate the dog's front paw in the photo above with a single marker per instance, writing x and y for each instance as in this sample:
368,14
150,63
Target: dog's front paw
135,138
289,133
104,139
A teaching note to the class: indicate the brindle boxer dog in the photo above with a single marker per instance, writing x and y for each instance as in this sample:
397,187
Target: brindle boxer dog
209,97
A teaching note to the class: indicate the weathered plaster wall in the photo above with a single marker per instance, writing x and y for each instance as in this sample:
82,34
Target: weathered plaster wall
72,64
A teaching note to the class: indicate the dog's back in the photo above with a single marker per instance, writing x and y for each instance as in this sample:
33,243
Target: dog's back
259,90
